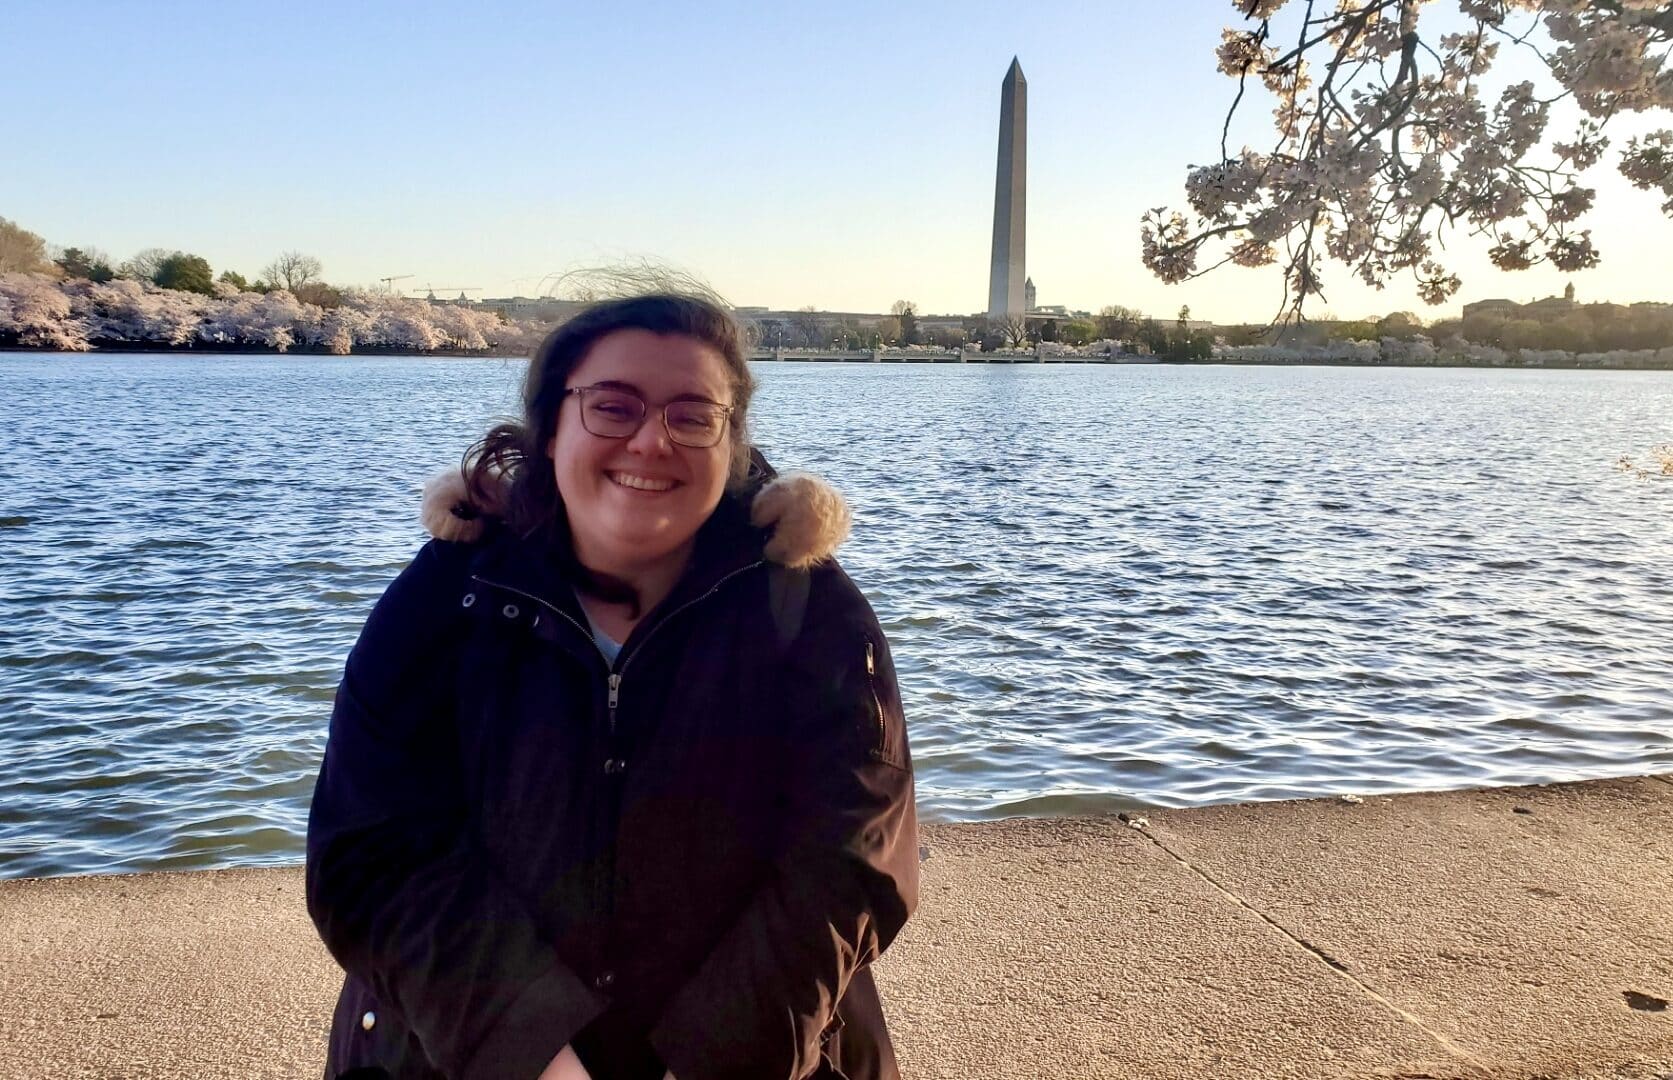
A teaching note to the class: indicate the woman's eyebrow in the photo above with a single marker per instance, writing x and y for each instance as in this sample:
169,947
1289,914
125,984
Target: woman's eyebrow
627,387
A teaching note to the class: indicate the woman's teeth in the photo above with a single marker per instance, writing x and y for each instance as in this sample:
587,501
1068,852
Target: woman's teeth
641,483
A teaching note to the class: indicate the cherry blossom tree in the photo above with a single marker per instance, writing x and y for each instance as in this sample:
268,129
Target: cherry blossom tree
1389,133
462,327
402,324
268,320
136,311
337,329
38,311
35,312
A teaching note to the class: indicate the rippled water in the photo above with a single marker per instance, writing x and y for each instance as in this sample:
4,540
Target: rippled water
1105,586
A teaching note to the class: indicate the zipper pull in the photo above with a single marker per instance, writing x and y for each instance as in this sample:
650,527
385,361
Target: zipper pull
615,685
871,660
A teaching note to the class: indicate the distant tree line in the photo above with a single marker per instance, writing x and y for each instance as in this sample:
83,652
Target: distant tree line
1544,326
810,328
1581,328
72,315
24,252
75,299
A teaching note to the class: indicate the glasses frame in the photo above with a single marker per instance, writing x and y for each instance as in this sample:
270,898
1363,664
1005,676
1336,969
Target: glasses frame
581,392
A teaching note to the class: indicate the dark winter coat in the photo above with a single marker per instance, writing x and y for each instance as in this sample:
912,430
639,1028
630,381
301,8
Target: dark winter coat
688,861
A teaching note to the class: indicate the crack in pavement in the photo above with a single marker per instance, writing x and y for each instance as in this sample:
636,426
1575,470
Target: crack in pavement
1463,1056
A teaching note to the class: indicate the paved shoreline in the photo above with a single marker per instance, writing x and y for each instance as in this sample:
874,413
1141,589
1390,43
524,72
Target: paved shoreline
1512,932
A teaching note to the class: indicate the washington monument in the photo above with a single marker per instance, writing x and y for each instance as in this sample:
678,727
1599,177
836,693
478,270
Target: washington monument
1010,199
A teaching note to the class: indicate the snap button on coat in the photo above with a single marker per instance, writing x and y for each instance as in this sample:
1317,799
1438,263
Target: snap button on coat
368,1021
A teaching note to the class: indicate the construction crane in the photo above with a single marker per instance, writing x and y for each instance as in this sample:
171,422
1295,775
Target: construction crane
389,282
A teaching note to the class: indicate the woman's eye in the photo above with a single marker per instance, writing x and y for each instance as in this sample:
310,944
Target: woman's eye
613,410
692,420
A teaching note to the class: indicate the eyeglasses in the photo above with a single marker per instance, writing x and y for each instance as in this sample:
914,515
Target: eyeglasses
613,413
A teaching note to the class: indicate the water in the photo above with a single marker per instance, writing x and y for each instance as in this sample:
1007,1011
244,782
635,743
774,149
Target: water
1105,586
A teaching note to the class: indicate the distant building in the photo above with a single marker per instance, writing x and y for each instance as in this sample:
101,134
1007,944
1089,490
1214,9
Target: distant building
827,319
1550,308
1506,308
543,309
1030,298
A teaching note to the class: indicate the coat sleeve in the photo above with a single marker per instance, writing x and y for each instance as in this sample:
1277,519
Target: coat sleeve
848,878
401,893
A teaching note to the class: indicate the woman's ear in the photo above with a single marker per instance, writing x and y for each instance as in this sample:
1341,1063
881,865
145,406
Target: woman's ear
809,519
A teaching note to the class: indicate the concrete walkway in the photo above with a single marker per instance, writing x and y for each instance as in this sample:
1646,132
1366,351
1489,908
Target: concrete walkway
1522,932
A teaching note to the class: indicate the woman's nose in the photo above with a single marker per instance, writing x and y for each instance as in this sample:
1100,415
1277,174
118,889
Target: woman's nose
652,436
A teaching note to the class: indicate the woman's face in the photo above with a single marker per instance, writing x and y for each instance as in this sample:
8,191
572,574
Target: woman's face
634,501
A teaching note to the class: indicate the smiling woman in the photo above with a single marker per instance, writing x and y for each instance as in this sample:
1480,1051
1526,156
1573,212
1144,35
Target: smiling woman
637,492
532,866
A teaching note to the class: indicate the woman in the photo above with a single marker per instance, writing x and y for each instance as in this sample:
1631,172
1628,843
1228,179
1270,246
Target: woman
608,793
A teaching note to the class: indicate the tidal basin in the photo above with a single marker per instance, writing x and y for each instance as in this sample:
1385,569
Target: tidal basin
1107,587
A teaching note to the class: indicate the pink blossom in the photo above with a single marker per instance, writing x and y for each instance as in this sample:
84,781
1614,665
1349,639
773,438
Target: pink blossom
1384,139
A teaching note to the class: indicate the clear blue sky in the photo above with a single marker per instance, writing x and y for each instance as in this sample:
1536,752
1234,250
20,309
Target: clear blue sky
841,156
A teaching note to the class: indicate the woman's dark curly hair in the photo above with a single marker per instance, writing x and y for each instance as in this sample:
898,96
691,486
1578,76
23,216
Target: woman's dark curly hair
509,467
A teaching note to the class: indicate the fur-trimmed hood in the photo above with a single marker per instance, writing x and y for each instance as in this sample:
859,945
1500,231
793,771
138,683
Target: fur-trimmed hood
808,517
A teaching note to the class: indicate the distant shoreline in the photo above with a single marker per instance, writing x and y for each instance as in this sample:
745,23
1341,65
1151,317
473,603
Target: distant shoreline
853,357
140,348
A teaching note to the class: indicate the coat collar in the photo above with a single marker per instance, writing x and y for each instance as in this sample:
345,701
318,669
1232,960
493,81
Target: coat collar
803,518
532,565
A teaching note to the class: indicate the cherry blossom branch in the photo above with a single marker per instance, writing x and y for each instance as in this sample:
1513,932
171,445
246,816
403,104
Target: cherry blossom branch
1395,143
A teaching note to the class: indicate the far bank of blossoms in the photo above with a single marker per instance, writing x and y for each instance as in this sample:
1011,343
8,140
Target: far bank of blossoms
78,315
1384,137
1421,351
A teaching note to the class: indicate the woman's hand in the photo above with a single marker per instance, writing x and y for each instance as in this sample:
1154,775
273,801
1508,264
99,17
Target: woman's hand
566,1066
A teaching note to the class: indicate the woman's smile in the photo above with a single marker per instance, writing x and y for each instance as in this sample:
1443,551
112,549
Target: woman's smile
638,482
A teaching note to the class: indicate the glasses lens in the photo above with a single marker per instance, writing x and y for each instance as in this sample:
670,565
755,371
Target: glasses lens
611,413
695,423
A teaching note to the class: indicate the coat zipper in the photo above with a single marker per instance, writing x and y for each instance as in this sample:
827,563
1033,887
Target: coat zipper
613,688
876,702
627,658
613,683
